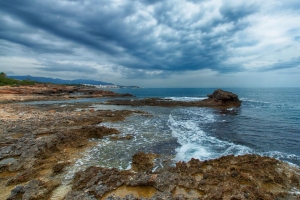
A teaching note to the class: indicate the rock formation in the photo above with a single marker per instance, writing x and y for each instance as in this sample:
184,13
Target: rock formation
230,177
224,96
40,92
219,99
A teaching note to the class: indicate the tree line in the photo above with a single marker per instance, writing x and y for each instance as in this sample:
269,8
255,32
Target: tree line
4,80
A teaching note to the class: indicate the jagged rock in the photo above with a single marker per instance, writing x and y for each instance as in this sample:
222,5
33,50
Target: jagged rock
58,168
221,95
142,161
35,189
228,177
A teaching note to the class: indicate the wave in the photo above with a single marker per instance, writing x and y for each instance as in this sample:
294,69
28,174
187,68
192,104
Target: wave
267,104
186,99
187,126
289,158
255,101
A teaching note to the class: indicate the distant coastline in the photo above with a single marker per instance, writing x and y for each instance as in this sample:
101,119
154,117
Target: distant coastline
87,82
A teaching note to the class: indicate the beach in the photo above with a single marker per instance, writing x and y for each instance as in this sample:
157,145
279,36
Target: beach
40,143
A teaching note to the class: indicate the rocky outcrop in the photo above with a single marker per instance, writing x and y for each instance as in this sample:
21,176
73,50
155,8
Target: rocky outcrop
229,177
224,96
219,99
35,189
38,142
52,92
142,161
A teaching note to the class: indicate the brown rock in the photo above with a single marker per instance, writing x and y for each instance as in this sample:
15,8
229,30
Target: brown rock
224,96
116,137
225,178
219,99
35,189
142,161
58,168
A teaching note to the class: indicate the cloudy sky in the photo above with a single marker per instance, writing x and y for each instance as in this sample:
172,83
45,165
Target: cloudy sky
153,43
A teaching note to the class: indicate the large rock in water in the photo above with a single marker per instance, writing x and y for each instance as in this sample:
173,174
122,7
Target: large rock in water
223,99
221,95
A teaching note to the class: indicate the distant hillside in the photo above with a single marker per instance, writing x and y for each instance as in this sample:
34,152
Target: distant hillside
60,81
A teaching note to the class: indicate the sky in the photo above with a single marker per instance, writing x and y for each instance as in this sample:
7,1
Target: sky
153,43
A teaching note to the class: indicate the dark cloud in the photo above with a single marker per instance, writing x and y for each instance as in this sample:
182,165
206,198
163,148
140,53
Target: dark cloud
150,2
234,11
159,36
54,20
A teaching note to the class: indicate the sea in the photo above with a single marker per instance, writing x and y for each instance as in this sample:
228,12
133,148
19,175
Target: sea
267,124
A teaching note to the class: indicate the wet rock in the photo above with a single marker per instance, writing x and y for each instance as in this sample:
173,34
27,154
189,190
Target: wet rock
98,131
295,180
142,161
58,168
116,137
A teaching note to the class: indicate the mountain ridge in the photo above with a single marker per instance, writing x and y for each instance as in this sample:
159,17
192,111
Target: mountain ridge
60,81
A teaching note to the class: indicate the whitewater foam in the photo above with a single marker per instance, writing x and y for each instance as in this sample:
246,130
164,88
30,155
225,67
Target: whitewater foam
187,126
186,99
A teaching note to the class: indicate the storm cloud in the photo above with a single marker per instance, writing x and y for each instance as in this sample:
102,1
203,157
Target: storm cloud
144,38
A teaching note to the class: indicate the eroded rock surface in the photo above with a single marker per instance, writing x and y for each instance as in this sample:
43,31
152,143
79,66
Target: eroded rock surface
37,142
35,189
51,92
142,161
229,177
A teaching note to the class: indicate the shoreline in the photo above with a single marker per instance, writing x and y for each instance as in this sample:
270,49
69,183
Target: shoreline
38,143
45,92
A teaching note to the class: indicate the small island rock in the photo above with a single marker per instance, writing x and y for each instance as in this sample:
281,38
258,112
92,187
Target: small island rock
221,95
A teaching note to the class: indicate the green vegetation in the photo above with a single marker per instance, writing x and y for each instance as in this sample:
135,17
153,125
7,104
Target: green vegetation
13,82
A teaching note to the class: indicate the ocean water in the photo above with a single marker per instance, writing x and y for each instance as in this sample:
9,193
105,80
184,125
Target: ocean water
267,123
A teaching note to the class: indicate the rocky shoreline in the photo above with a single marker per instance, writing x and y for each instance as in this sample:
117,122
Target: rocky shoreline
38,142
46,92
218,99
